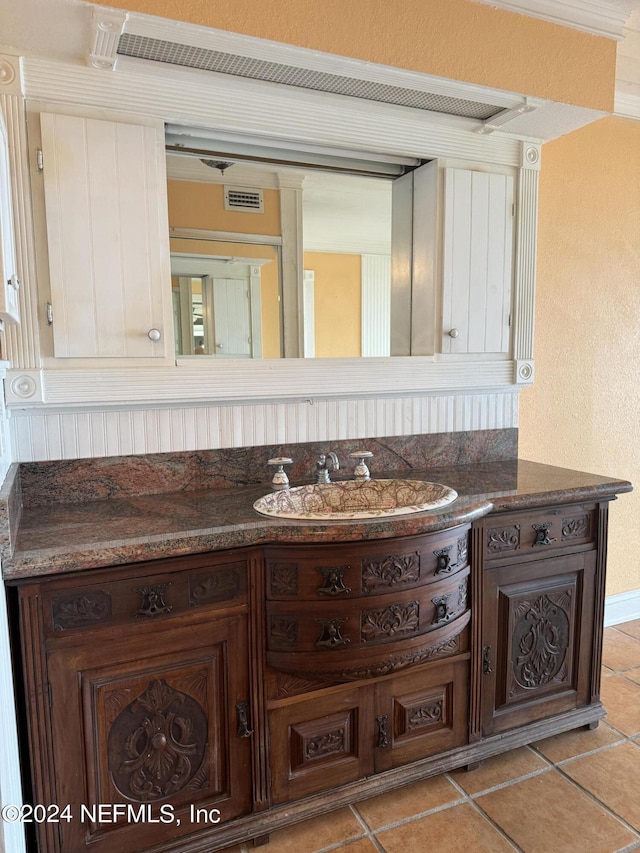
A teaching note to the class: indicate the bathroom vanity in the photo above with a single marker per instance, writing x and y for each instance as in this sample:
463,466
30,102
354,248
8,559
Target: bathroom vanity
219,680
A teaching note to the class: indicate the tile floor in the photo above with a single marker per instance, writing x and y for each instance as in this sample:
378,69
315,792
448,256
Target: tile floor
577,792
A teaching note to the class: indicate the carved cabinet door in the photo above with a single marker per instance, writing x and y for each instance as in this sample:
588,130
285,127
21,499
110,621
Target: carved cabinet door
537,627
154,720
421,713
321,742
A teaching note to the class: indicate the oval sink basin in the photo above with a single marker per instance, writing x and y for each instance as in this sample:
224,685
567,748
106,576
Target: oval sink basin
355,499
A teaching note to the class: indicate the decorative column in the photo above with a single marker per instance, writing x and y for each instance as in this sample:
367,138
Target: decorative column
525,265
23,341
292,263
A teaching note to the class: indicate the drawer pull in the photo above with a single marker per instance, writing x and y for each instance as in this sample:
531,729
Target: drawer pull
242,712
442,614
153,603
330,636
486,660
383,737
443,558
542,533
333,583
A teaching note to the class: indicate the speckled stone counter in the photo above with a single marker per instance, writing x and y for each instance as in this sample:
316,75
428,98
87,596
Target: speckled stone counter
55,537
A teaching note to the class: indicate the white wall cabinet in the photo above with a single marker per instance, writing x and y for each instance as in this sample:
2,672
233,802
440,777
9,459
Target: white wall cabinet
477,267
107,232
9,283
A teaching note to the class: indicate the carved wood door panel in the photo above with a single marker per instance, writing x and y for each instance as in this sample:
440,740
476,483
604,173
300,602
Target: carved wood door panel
537,632
321,742
421,713
150,722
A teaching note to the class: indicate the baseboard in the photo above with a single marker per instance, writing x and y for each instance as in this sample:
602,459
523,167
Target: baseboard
622,607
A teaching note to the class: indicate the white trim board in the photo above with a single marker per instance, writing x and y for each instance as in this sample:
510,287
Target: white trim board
622,607
598,17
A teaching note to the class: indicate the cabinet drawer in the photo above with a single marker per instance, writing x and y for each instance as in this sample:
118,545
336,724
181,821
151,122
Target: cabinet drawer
326,572
113,597
537,531
328,626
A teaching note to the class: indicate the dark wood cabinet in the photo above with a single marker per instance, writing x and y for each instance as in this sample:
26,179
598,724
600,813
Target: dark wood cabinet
265,685
147,701
539,609
537,631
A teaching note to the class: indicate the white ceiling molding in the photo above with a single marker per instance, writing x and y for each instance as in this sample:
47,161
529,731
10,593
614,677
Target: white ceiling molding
598,17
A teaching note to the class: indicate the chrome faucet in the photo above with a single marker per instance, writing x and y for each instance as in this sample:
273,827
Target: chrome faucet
322,466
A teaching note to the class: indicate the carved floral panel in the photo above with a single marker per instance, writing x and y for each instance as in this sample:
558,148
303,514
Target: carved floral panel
81,610
394,570
157,744
540,640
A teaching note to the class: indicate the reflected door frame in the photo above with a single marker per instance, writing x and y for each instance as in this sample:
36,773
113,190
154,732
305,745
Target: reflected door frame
210,267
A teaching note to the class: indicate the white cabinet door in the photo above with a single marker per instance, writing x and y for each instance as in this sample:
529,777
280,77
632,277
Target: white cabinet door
9,283
477,261
105,199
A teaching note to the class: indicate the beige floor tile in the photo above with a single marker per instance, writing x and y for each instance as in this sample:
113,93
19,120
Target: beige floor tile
501,768
632,628
548,812
605,671
621,698
613,776
453,830
633,674
576,742
407,802
365,845
620,651
316,834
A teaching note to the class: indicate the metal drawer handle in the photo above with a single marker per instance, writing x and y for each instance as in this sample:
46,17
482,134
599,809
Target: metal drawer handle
333,581
383,737
542,533
330,635
486,660
242,712
153,603
443,558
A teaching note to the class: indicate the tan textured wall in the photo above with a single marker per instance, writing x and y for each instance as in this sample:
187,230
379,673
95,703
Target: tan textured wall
584,409
337,303
457,39
200,205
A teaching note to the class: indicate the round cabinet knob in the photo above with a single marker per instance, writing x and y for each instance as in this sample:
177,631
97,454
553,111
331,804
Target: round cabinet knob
154,334
453,333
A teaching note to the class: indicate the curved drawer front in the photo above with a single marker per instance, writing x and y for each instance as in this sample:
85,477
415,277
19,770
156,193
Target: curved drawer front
349,664
514,534
325,572
358,633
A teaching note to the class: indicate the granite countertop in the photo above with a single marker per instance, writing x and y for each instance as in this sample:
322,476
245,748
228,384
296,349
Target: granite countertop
65,537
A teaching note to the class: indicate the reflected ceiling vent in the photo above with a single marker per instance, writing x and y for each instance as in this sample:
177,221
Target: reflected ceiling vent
241,198
204,59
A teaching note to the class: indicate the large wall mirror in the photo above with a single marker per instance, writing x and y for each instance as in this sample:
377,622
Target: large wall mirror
228,236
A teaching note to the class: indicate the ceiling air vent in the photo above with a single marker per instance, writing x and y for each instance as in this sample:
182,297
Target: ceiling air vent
241,198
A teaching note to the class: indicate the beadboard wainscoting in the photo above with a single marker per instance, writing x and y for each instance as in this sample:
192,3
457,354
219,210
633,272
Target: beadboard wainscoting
48,435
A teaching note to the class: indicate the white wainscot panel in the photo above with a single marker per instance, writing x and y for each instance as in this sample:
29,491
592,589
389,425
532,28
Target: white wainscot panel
117,432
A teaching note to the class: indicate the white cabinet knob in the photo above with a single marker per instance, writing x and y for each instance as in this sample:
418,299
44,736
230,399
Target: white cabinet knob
453,333
154,334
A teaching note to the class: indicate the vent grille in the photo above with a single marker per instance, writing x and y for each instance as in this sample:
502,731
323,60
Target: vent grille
240,198
173,53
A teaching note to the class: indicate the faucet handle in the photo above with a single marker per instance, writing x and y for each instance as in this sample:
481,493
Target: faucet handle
280,479
361,472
